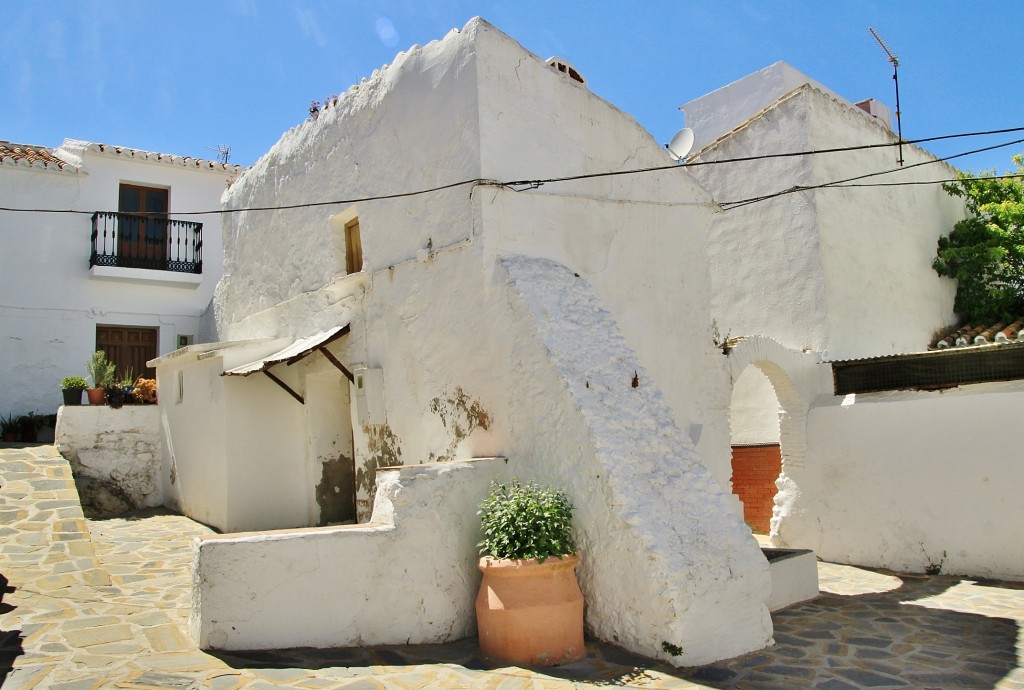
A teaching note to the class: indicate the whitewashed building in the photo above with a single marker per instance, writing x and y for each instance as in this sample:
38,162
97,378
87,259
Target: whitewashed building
99,260
892,474
844,272
435,312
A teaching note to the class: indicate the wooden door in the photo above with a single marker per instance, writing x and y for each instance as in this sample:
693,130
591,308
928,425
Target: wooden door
129,348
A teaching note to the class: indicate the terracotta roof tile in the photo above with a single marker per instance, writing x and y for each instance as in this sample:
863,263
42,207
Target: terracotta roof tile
984,334
152,156
30,155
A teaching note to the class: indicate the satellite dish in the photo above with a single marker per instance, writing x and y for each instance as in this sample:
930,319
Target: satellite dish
681,144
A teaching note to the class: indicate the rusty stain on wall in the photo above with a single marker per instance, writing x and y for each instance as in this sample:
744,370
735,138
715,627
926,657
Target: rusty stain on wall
461,415
384,449
335,492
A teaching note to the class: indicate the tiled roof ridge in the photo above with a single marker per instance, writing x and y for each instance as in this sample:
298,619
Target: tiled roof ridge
32,156
77,147
984,334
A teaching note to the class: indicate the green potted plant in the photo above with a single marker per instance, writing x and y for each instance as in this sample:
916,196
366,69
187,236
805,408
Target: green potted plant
120,392
529,608
72,387
101,372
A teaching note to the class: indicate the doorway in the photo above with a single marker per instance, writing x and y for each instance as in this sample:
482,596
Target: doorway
129,348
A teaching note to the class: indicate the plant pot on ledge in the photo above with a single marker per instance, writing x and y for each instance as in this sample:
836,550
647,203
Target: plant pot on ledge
71,388
96,396
529,610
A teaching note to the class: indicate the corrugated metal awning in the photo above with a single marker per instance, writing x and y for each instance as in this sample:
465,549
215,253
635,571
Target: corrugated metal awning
298,350
291,354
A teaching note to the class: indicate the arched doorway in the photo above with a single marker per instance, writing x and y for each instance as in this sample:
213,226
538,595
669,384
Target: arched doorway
756,446
772,389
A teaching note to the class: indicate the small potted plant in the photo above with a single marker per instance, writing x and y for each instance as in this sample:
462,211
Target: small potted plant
72,387
101,372
120,393
529,609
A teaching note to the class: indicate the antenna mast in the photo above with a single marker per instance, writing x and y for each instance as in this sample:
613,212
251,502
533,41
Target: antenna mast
895,77
223,152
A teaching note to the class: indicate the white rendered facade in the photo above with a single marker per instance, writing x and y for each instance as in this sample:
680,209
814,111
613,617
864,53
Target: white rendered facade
844,272
552,326
52,300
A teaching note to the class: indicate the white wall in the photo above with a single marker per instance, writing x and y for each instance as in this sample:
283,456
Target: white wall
409,576
52,303
466,361
754,411
119,446
267,450
910,480
819,270
878,243
197,441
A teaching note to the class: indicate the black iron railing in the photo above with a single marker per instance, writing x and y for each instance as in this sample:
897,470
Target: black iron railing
140,241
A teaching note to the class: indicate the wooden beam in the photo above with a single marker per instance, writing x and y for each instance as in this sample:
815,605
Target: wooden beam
284,385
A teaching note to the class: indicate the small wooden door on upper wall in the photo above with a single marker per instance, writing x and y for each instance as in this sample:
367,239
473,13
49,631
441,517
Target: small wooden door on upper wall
129,348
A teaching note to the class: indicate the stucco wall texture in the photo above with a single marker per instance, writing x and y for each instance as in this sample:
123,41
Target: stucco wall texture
52,301
487,304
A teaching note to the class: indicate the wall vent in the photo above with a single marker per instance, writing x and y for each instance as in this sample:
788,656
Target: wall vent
564,67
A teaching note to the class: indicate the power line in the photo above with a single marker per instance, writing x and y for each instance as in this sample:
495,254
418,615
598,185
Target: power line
536,183
730,205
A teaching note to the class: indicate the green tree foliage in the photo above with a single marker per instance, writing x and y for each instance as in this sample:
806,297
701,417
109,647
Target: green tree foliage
985,251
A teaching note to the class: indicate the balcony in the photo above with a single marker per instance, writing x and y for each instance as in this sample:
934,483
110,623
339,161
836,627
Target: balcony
155,243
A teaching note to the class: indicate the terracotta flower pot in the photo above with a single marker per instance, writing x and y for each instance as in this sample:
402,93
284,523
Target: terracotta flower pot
97,396
530,613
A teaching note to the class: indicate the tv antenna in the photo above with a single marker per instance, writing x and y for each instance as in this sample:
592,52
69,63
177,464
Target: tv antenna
895,77
223,152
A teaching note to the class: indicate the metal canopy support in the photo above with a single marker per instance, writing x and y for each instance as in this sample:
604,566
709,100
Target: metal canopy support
284,385
334,360
296,352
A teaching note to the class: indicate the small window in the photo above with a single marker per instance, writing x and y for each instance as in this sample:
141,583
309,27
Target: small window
353,247
181,386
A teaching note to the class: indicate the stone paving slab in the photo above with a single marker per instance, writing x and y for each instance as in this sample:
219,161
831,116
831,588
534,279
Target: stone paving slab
108,608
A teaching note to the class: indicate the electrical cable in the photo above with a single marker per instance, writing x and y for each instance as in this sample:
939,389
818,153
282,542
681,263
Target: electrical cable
730,205
528,184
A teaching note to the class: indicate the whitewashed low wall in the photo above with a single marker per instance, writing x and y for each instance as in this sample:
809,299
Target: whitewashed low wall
120,447
914,481
408,576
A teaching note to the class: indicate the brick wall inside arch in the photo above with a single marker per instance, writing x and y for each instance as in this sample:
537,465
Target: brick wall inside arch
754,471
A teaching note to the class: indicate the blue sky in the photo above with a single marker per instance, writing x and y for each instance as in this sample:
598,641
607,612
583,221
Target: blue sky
176,76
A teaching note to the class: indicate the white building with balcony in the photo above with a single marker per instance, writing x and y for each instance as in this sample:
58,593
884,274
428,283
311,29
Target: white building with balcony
95,257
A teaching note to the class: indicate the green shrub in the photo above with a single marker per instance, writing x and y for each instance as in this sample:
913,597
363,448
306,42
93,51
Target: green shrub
523,521
100,370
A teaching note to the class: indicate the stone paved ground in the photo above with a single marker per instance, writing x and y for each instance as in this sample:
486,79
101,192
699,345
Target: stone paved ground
104,604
